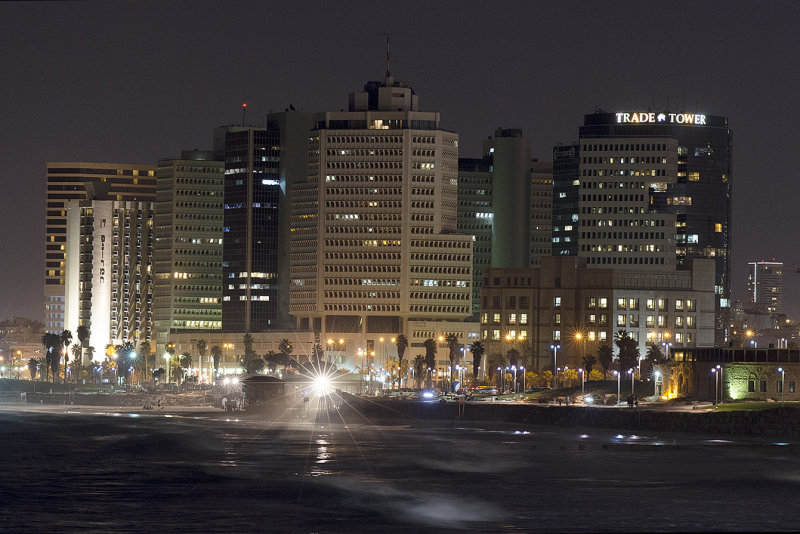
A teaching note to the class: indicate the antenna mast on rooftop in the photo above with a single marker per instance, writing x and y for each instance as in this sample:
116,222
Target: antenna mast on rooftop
387,55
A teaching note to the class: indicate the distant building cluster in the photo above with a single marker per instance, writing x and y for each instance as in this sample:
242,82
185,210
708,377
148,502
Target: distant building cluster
340,230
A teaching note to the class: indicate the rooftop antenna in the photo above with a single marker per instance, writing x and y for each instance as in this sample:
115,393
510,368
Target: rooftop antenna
387,55
244,111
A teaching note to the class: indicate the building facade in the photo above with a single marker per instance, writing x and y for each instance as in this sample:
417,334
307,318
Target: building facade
492,207
80,181
765,286
532,310
566,192
187,285
541,230
251,230
618,226
374,223
108,271
700,196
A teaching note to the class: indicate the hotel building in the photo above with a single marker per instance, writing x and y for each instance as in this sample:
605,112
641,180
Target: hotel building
80,181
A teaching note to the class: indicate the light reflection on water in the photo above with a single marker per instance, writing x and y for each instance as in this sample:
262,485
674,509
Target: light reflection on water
200,473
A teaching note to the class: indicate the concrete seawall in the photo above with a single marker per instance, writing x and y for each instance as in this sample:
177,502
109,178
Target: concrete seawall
778,422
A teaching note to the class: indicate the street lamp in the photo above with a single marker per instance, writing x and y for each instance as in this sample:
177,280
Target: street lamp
666,348
716,385
630,372
555,360
514,368
523,379
619,383
583,379
499,383
782,371
655,383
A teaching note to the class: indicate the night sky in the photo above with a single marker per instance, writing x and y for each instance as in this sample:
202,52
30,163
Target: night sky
131,82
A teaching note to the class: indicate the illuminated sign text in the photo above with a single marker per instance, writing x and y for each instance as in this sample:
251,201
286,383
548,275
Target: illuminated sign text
671,118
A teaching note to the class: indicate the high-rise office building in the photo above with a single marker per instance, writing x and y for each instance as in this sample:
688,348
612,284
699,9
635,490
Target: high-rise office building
374,241
541,232
187,287
251,229
699,197
108,270
475,216
80,181
765,286
492,206
566,190
618,226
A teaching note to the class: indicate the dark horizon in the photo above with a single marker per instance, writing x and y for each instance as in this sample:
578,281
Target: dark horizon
135,82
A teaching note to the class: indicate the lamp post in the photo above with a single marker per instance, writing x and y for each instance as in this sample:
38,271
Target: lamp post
394,342
716,384
655,383
523,379
783,377
514,368
666,346
583,380
564,377
619,383
499,383
630,372
167,357
555,360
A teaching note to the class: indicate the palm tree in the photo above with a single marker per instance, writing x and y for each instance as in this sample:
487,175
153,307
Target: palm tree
628,350
478,350
169,348
285,347
654,354
185,362
52,345
83,336
453,345
401,341
33,367
430,358
589,362
605,355
66,340
77,352
493,361
145,349
126,354
216,353
202,347
419,369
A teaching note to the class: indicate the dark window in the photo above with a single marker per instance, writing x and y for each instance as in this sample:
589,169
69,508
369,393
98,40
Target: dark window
495,301
751,386
791,386
763,386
